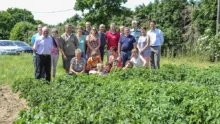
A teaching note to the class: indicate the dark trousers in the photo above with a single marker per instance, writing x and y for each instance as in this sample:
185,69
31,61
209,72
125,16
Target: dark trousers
34,62
102,54
43,62
125,56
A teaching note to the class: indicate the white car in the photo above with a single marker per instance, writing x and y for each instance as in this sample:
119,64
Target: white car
8,48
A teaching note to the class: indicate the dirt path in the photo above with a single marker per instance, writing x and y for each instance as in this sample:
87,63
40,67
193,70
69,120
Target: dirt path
10,105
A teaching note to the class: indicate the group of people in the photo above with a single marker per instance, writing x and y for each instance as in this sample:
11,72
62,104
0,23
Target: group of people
83,52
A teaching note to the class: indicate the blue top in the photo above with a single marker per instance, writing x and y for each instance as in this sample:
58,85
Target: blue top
127,42
81,43
102,40
33,39
142,42
136,33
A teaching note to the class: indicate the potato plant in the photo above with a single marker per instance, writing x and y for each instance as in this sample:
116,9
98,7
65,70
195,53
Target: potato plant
173,94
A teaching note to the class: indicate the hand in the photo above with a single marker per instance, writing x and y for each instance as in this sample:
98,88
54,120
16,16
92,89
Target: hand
64,57
141,51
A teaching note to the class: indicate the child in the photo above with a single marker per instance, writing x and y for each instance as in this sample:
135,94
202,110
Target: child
137,59
92,62
128,64
108,67
115,64
100,69
114,56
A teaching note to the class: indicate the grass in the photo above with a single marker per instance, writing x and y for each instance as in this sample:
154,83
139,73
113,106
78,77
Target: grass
13,67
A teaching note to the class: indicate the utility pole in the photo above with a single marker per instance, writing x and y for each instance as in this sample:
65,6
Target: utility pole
218,17
24,26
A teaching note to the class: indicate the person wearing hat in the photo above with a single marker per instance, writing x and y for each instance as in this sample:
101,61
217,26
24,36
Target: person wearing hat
93,42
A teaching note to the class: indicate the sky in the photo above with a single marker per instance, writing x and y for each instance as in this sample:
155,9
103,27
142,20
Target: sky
47,10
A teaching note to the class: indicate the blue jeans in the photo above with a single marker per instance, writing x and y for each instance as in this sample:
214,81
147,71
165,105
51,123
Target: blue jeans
125,56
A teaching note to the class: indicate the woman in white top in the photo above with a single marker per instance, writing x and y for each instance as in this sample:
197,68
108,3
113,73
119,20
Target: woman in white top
137,59
143,46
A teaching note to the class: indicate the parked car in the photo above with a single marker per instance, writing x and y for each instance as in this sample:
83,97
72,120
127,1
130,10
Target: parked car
26,48
8,48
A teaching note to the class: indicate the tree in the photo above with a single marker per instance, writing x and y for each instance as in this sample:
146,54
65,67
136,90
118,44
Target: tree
21,15
74,19
20,31
5,24
100,11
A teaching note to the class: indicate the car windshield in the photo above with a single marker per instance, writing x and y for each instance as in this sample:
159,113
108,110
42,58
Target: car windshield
6,43
19,43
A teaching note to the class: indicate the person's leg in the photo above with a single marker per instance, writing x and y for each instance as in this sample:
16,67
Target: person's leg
34,62
102,54
157,57
47,67
108,54
52,63
67,63
152,62
123,58
37,67
147,59
128,55
55,61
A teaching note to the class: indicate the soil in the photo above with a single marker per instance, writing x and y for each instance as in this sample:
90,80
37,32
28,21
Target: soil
10,105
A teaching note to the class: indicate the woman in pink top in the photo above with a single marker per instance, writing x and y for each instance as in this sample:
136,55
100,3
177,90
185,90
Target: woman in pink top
54,52
114,56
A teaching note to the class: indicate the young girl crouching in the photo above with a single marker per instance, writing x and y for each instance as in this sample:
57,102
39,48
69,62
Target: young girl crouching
137,59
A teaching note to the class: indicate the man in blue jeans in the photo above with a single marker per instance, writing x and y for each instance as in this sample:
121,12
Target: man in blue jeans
126,43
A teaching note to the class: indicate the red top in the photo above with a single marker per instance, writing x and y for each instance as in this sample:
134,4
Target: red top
111,59
112,39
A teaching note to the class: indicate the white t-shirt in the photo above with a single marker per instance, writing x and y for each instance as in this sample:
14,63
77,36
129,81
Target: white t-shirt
137,61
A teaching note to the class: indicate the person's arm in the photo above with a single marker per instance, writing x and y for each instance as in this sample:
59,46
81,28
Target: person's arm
84,68
134,43
35,46
76,41
71,69
61,47
138,47
89,66
85,44
99,44
33,40
106,38
161,37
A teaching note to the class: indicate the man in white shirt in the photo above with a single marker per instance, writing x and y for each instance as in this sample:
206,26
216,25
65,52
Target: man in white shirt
42,48
156,40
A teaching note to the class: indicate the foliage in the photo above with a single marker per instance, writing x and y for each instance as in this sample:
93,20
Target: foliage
173,94
20,15
74,20
20,30
100,11
5,24
209,44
